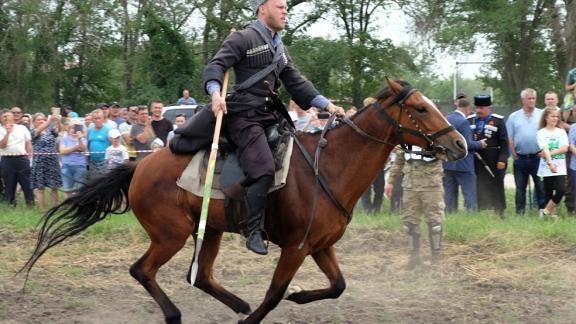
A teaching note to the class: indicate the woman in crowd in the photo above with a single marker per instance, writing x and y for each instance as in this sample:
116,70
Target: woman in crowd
74,161
45,165
553,142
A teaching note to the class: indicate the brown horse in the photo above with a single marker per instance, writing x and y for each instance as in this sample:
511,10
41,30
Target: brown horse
356,152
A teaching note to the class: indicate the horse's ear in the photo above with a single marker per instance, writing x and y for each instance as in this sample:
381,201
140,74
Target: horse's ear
394,86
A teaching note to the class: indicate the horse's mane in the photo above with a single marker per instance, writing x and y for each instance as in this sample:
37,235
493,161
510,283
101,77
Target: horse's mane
382,95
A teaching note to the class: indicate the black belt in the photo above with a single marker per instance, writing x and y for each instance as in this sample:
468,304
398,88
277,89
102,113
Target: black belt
12,156
527,156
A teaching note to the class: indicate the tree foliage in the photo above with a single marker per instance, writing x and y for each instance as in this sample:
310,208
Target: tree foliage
527,40
79,52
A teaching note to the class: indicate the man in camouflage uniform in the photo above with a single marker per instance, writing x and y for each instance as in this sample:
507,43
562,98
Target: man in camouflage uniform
423,195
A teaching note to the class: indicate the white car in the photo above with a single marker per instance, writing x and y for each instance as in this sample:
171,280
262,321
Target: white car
170,112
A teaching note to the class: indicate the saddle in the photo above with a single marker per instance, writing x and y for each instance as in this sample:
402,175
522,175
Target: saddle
228,173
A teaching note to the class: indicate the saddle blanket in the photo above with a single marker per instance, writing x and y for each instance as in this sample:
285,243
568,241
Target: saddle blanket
192,179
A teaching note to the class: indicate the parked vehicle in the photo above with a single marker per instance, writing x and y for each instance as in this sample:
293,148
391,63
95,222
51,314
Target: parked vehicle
170,112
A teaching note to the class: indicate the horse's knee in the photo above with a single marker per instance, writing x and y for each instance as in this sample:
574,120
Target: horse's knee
137,273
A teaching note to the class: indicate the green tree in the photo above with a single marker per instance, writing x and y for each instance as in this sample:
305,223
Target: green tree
167,57
516,33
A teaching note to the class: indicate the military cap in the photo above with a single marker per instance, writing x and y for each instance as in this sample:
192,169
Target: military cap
482,101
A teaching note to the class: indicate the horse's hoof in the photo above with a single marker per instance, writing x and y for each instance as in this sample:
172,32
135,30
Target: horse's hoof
292,290
241,317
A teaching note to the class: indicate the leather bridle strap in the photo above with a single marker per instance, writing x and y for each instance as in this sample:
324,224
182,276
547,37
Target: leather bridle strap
323,183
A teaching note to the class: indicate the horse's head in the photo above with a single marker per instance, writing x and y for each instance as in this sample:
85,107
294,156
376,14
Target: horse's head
418,121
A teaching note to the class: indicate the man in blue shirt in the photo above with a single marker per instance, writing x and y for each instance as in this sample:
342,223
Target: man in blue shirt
522,126
461,173
186,99
97,143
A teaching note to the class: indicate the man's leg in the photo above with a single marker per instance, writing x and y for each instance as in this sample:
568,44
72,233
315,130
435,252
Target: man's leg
366,200
538,187
569,187
378,186
450,191
257,162
24,174
256,195
9,175
411,217
396,200
521,181
467,182
434,213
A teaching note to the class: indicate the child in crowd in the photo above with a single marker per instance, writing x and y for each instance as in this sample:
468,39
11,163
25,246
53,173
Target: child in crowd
156,145
553,142
116,154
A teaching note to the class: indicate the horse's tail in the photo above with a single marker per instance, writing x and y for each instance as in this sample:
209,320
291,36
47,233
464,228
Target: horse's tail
99,197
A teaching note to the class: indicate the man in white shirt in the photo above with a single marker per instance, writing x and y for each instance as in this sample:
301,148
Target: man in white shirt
15,149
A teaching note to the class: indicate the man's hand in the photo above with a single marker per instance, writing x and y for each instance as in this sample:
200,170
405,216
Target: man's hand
501,165
218,104
332,108
483,143
388,190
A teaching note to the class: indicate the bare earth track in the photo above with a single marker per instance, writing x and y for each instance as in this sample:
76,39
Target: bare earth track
88,282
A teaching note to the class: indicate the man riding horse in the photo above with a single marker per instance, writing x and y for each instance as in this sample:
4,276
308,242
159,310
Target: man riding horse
260,61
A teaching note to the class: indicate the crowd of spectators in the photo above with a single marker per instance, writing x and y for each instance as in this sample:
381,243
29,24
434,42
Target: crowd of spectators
54,152
60,151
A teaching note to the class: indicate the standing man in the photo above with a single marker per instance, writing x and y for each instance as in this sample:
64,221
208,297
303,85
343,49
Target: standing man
186,99
142,133
257,54
422,196
114,113
490,161
461,173
522,126
15,149
161,125
125,128
98,142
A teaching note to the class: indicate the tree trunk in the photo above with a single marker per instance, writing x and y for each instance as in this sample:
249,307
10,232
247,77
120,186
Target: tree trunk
570,33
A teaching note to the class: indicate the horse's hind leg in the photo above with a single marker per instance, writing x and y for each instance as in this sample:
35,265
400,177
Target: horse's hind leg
290,261
326,260
205,278
145,269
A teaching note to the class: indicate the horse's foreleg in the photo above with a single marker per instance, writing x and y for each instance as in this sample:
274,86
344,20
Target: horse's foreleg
145,269
205,278
326,260
290,261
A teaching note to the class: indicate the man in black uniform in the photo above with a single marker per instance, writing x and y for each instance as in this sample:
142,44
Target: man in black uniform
489,162
257,54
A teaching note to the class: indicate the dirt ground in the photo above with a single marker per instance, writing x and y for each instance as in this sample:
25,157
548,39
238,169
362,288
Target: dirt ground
88,282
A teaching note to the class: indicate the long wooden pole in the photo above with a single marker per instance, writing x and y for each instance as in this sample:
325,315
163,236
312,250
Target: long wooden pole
208,183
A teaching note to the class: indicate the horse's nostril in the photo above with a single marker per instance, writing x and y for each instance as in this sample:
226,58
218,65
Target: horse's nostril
460,144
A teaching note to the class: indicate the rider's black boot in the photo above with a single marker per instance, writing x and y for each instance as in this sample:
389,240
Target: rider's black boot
256,207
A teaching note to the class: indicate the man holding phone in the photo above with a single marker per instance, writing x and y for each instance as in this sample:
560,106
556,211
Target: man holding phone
15,149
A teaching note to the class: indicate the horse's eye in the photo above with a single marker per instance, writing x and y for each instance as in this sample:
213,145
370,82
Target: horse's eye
420,109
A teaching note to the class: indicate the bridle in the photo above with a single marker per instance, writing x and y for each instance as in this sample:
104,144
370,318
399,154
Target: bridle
400,100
